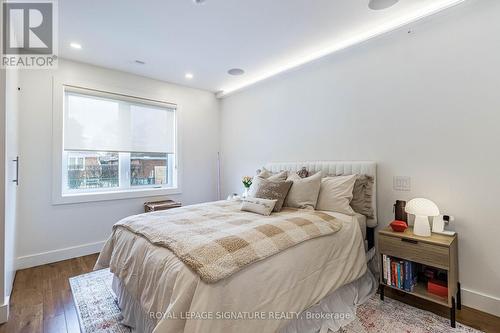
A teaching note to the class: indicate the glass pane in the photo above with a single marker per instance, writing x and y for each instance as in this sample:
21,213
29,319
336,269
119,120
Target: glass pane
92,170
148,169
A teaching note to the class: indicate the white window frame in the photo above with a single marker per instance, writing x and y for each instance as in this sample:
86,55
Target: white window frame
59,162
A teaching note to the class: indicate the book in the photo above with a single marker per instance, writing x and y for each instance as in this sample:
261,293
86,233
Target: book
398,273
407,279
393,274
384,268
398,266
388,270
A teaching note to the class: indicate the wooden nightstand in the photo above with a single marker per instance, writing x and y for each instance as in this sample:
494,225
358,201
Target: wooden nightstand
437,251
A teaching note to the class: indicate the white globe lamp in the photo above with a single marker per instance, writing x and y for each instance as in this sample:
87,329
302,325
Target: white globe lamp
422,209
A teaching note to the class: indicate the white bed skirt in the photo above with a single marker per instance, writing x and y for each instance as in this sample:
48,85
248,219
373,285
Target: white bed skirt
340,306
132,313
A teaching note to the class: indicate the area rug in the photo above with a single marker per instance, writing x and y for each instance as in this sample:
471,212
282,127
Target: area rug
376,316
98,312
96,304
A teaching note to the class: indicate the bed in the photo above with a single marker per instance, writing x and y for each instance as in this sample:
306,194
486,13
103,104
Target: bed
157,292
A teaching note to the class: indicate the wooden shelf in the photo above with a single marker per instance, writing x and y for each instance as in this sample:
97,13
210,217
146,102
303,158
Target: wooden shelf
420,290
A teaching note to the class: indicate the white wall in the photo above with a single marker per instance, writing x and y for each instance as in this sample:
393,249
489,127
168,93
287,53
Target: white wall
424,104
50,232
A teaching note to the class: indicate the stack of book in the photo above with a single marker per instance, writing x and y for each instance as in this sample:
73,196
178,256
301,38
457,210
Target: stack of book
398,273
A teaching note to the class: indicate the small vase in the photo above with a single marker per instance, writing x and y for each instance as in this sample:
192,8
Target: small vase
245,193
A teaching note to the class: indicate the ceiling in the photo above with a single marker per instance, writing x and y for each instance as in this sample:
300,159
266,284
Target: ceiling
263,37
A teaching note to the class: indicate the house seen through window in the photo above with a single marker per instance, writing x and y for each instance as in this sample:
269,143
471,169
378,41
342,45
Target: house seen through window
116,143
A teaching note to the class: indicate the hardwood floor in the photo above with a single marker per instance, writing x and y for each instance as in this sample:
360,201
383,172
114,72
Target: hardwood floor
41,301
467,316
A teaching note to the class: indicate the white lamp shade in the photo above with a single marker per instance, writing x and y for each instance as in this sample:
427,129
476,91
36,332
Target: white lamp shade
422,207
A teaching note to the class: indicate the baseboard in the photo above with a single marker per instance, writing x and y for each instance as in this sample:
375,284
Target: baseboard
480,301
4,311
58,255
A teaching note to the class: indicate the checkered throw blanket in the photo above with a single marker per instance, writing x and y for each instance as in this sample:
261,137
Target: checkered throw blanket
217,239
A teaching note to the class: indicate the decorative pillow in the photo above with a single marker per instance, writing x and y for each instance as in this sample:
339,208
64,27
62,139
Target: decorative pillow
280,176
264,173
361,201
304,191
303,173
335,194
259,206
267,189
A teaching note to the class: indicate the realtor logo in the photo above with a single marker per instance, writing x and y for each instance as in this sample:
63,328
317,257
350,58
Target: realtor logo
29,31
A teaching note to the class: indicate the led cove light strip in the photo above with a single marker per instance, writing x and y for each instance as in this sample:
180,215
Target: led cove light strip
341,45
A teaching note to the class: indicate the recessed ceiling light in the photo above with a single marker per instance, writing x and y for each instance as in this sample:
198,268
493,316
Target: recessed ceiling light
140,62
188,76
381,4
199,1
236,71
76,46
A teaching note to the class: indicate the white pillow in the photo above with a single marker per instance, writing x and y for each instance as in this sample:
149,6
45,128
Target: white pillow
304,191
259,206
335,194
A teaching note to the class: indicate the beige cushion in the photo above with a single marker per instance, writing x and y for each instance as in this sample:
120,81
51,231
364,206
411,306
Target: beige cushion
361,201
259,206
264,173
335,194
268,189
304,191
280,176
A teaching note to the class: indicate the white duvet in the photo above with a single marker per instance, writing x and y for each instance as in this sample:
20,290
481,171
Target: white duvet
269,292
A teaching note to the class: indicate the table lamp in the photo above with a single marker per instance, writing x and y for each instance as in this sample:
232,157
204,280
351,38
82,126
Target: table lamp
422,209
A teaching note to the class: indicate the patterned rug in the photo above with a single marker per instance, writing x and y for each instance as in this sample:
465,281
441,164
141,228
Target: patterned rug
99,313
98,310
376,316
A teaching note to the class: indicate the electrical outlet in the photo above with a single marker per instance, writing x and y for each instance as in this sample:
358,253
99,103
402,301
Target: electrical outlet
401,183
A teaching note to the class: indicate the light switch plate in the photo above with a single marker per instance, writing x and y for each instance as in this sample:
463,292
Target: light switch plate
401,183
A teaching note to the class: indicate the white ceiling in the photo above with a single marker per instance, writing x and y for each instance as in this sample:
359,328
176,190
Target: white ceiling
263,37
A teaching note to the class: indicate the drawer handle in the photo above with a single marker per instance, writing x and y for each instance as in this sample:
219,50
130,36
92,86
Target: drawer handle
409,240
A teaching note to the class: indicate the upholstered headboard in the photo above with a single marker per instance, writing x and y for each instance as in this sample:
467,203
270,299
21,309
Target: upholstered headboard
336,168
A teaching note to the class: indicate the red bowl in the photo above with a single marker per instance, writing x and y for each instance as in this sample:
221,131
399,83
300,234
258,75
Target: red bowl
398,226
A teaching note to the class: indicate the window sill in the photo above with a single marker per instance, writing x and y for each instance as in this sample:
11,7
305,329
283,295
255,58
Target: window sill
63,199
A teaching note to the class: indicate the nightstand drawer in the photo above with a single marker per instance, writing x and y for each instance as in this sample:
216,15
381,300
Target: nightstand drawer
414,250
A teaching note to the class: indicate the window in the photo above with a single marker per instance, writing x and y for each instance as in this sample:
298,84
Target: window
148,169
116,143
76,162
92,170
